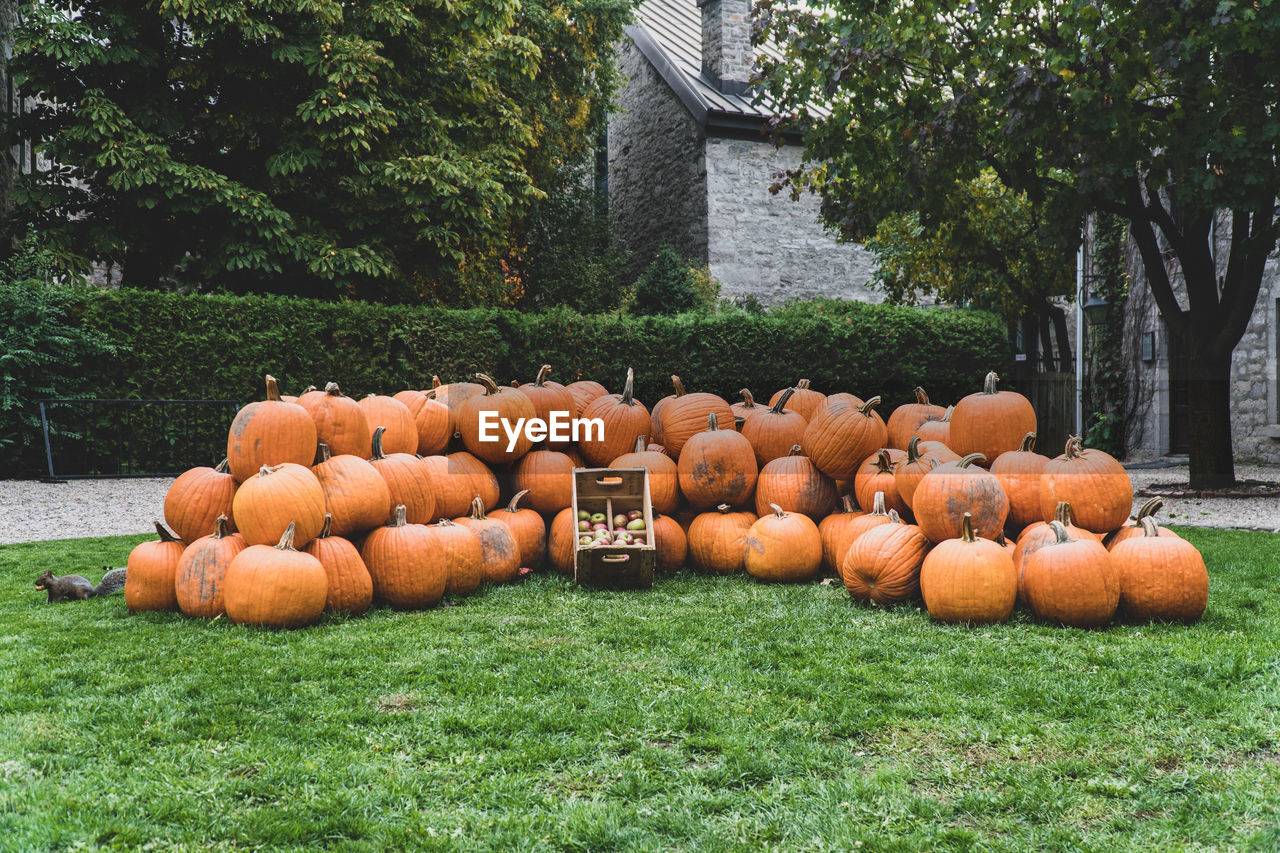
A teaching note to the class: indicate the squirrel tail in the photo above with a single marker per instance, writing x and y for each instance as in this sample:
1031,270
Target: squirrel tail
111,581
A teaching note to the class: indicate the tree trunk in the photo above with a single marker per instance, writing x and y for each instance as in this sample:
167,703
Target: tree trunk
1059,318
1209,405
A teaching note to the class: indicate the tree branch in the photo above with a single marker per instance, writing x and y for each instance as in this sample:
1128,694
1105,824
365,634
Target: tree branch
1153,261
1240,297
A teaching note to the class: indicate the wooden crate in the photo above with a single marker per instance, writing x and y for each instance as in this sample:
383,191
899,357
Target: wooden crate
611,491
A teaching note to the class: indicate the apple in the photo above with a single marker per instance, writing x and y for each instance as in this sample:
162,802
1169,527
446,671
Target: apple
634,514
599,518
583,515
584,526
600,526
620,519
584,540
636,524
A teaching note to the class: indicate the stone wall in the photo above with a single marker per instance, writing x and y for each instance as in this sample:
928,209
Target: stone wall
657,179
769,246
726,39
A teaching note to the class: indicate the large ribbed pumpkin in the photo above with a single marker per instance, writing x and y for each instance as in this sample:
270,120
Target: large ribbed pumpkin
432,419
907,418
1072,581
1019,473
837,534
350,586
1133,527
584,391
496,406
775,430
270,432
869,520
623,416
275,586
670,543
406,563
483,482
454,394
878,474
340,421
969,580
991,421
717,466
463,557
547,475
500,553
804,401
198,579
355,494
152,566
400,432
882,566
794,483
717,540
938,430
911,470
408,483
1161,577
1093,482
783,547
950,490
549,397
840,437
746,409
197,498
685,416
1039,534
528,528
265,505
562,540
664,476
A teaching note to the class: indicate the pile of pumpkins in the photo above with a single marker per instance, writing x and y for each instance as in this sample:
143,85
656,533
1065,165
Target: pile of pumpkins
325,502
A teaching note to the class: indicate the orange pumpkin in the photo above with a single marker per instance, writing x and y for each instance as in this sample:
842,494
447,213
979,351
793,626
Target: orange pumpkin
547,475
584,391
794,483
911,470
151,572
775,431
804,401
969,580
950,490
198,578
279,496
1019,473
990,422
406,563
355,494
839,437
938,451
463,557
623,417
340,421
400,432
548,397
685,415
907,418
275,586
562,540
434,423
836,531
783,547
664,476
270,432
350,587
717,466
717,540
1039,534
878,474
883,564
669,542
197,498
1133,528
529,530
500,561
1072,581
1093,482
868,521
498,409
454,394
1162,578
938,431
408,483
744,410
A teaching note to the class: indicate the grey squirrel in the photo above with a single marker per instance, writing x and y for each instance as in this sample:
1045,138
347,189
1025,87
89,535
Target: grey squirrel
78,587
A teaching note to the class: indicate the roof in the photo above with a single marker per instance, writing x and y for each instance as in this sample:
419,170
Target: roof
669,34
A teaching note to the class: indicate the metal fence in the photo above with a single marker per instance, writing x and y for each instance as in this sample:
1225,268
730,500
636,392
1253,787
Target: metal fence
87,439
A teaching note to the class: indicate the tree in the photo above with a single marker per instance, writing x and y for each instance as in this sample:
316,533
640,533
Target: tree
992,251
1162,112
377,149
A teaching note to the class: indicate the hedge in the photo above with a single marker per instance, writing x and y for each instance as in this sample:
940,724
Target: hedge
219,347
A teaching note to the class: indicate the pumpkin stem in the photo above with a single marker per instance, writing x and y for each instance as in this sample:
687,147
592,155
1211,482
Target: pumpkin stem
377,444
913,450
477,508
1062,512
723,508
327,527
431,395
286,539
946,416
223,467
1149,509
543,373
444,522
803,383
273,388
847,502
332,389
777,407
1149,527
989,384
267,470
678,385
629,388
640,444
220,527
883,463
323,453
970,459
515,383
435,381
894,518
712,423
1060,532
921,397
511,507
1074,448
877,505
308,390
490,386
399,517
966,528
778,512
1028,443
795,451
165,534
869,405
748,401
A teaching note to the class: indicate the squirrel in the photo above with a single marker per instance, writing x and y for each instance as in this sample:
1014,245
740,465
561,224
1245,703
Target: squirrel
77,587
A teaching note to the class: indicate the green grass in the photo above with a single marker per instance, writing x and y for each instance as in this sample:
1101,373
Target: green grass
705,714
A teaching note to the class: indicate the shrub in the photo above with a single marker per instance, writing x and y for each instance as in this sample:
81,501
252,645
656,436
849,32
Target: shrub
666,286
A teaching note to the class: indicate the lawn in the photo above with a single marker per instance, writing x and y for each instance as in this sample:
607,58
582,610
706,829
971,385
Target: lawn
707,714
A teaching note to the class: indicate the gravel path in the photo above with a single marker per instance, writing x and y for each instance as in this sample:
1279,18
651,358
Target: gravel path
31,511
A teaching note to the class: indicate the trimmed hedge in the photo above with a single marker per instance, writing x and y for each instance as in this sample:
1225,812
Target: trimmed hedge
219,347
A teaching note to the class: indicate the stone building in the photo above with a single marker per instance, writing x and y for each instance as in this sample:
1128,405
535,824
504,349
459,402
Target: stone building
690,163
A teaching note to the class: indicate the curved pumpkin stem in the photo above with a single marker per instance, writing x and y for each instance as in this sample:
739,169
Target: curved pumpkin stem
323,453
921,397
869,405
286,538
966,528
629,388
435,381
332,389
477,508
1074,448
913,450
1062,512
778,512
377,444
970,459
543,373
511,507
220,527
640,444
883,464
803,383
989,384
444,522
748,401
946,416
165,534
713,423
326,529
778,407
273,388
490,386
846,502
1028,443
894,518
1149,509
795,451
1060,532
223,467
1149,527
398,517
678,385
877,505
